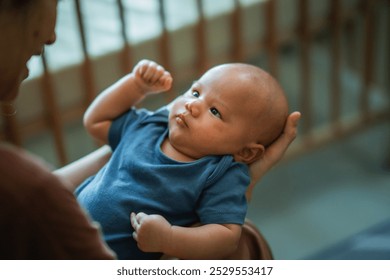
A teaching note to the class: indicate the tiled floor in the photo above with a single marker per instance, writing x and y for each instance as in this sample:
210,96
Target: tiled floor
304,206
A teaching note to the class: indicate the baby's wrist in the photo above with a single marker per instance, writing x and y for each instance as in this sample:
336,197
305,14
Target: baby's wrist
142,88
167,244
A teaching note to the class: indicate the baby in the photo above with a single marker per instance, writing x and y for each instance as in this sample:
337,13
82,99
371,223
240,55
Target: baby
183,164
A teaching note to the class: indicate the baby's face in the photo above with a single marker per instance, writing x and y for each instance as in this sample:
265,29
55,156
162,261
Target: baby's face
212,117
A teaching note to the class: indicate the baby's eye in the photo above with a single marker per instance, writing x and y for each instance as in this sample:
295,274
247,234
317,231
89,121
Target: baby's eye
215,112
195,93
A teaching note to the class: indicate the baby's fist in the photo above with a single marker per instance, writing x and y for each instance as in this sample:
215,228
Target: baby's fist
152,77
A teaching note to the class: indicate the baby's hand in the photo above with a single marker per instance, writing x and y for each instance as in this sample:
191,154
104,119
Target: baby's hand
152,77
152,232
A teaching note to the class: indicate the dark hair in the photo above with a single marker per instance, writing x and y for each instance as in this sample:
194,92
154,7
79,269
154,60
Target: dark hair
14,4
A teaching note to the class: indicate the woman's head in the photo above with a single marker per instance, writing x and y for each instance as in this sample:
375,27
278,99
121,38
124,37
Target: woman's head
25,27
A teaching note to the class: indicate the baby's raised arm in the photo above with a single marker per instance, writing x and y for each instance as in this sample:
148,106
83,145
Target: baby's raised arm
147,77
154,233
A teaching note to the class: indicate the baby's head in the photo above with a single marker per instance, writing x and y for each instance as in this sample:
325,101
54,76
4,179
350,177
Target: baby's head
263,99
235,108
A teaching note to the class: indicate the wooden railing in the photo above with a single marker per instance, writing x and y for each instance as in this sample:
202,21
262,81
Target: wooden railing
339,24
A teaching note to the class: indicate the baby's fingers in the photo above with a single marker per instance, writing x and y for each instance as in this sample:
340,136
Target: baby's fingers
166,81
141,67
133,221
153,77
135,225
150,71
136,221
153,73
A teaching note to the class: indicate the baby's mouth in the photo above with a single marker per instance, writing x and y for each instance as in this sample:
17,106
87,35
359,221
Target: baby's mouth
180,119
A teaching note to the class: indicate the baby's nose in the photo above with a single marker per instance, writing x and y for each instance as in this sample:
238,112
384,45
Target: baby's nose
193,107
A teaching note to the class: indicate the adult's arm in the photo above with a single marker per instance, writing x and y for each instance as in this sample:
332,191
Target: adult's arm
41,217
274,153
76,172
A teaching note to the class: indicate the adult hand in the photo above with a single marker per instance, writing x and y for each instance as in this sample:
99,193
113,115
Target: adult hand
274,152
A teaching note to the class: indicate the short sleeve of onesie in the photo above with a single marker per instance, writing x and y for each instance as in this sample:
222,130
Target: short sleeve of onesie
123,123
228,193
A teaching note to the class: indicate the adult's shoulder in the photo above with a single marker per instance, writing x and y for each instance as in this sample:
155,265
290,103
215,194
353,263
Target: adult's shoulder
43,218
20,169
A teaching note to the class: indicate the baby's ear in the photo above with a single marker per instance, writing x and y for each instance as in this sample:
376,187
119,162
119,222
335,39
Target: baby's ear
250,153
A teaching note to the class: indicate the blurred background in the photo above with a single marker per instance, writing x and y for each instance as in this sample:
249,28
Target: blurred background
329,198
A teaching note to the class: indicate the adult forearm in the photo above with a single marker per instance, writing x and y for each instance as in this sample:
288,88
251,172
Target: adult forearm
76,172
274,153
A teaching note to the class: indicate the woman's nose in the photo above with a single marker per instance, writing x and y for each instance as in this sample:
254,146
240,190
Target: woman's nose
193,107
52,39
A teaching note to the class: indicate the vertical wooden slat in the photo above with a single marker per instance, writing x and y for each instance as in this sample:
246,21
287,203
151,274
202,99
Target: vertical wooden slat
387,84
304,35
53,118
126,60
271,37
237,46
10,124
368,58
351,43
89,83
335,71
387,70
201,40
165,54
387,67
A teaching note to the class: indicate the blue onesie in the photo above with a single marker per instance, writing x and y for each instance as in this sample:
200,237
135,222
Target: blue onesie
139,177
